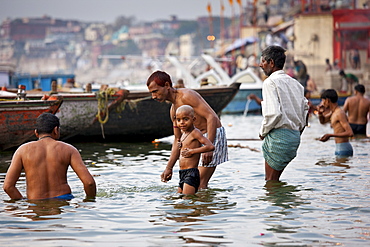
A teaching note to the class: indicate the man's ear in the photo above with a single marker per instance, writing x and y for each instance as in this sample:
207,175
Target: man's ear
167,84
36,133
55,130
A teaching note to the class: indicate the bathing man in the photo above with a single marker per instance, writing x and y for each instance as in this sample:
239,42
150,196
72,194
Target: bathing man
338,121
284,111
160,86
357,107
191,144
45,163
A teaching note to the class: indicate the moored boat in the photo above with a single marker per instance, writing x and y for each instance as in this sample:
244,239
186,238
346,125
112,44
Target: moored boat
18,119
140,118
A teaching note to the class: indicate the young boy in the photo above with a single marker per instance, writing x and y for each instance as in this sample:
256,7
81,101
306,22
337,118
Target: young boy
191,144
338,121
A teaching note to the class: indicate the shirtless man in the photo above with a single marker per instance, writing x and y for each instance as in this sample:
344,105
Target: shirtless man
160,86
357,107
338,121
191,144
45,163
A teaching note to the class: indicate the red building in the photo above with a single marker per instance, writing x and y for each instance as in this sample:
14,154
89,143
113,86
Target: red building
351,32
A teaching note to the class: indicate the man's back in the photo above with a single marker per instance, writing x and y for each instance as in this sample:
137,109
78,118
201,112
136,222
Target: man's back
357,107
45,163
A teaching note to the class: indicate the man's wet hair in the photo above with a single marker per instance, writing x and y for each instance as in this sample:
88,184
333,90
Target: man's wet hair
275,53
160,78
330,94
46,122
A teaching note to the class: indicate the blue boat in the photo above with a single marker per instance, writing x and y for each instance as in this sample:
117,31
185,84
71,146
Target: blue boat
40,81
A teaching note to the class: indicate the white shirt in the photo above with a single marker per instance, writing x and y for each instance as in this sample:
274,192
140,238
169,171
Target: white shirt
284,104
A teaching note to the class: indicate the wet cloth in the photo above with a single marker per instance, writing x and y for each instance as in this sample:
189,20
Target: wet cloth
343,149
189,176
68,196
220,154
359,129
280,147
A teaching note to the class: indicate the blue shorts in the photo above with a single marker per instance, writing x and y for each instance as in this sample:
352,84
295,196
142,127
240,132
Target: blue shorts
343,149
68,196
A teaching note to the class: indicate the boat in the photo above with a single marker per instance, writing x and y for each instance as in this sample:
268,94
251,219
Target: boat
18,118
140,118
342,96
250,84
79,109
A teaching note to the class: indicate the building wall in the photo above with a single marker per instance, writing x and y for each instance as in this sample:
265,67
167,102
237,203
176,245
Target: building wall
313,44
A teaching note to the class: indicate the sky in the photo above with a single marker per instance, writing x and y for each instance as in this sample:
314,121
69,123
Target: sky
108,10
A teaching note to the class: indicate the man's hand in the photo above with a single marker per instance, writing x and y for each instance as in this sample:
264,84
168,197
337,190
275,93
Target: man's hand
166,175
207,158
324,138
262,137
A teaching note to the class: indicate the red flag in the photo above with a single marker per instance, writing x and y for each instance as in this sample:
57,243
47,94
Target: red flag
209,9
239,2
222,6
231,2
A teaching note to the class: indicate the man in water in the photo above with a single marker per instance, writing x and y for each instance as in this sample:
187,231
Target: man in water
350,80
357,107
338,121
284,111
160,86
45,163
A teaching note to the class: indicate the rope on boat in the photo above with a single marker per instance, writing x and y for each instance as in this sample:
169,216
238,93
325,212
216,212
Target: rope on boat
131,104
103,110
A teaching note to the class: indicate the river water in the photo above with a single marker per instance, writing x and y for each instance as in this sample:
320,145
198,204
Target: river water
320,201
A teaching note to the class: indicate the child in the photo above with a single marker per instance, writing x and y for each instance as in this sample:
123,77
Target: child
191,144
338,121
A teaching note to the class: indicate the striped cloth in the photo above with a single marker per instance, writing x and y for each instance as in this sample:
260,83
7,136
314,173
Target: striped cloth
220,154
280,147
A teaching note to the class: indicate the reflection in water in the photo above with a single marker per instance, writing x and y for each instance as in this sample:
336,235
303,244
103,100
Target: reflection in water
339,162
282,195
190,208
37,210
186,212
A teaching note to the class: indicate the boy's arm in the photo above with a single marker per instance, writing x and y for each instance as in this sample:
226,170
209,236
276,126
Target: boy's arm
12,177
324,114
342,118
207,145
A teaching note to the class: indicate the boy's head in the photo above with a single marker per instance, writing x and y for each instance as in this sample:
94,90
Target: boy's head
185,109
330,94
185,117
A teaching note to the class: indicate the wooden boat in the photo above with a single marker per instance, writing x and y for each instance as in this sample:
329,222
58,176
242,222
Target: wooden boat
18,118
140,118
78,110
